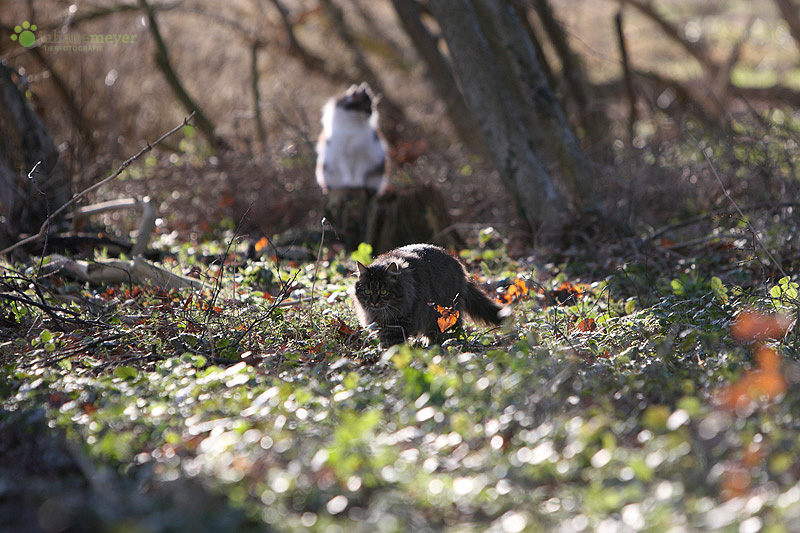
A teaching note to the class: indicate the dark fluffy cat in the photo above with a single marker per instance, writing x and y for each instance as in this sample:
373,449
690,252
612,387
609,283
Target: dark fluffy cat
397,293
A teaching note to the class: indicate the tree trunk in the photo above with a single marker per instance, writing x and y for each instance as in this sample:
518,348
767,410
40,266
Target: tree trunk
516,112
26,202
439,72
575,80
161,55
789,12
537,105
392,114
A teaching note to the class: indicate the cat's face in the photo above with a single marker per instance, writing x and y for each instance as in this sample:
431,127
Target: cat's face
378,287
357,98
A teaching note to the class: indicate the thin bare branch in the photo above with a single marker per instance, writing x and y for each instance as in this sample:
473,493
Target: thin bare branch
741,214
698,49
78,196
171,77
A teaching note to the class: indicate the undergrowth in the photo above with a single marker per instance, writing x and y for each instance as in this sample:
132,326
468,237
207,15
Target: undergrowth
602,404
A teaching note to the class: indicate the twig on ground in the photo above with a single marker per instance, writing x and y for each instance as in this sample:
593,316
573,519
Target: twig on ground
741,214
83,347
47,220
149,355
703,240
274,305
218,282
51,311
316,269
718,213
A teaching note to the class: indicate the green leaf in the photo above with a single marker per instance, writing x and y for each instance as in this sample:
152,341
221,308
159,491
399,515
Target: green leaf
350,381
677,287
125,372
363,255
655,417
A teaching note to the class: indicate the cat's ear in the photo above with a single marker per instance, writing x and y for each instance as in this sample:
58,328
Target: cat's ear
391,268
362,270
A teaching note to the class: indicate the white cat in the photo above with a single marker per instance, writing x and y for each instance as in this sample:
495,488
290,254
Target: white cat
350,152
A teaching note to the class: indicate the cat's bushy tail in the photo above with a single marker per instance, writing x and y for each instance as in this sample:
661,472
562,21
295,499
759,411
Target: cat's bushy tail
481,308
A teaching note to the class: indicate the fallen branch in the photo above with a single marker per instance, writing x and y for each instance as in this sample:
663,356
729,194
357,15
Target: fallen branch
136,271
146,226
43,229
718,213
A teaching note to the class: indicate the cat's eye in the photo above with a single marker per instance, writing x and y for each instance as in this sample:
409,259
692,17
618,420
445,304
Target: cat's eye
384,292
367,291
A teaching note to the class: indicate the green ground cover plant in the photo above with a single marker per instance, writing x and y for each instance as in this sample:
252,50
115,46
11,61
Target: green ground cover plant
603,404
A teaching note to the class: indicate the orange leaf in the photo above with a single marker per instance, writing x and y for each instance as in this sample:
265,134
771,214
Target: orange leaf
261,244
752,455
448,316
341,327
751,325
587,324
521,287
226,200
735,482
767,382
768,359
516,291
567,293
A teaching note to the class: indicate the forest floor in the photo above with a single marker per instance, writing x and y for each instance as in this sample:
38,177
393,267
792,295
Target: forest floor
645,381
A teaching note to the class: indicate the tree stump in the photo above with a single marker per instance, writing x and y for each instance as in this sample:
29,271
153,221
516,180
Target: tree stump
410,214
347,210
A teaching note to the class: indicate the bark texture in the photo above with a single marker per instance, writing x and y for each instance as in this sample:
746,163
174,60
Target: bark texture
439,72
523,125
25,144
404,215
